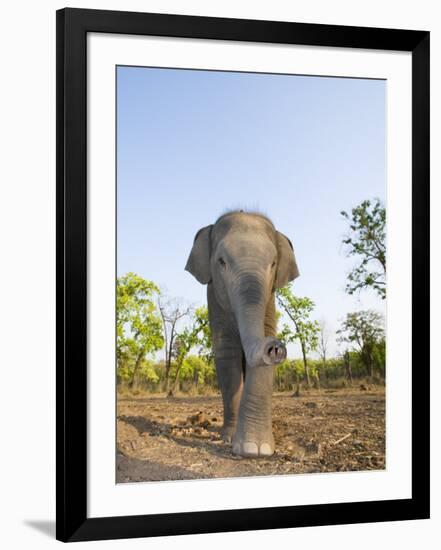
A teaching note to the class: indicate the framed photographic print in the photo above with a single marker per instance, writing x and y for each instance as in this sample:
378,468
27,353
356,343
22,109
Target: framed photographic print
242,274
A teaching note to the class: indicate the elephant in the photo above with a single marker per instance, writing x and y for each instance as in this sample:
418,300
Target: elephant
242,259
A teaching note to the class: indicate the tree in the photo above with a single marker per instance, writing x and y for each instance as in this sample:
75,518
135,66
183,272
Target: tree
196,335
365,329
195,369
322,345
138,325
305,330
366,240
172,312
348,367
204,341
283,375
379,356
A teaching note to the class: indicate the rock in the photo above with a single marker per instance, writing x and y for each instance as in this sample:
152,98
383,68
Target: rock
197,418
313,448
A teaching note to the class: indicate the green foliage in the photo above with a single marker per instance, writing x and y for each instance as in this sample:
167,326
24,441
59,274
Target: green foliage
298,309
138,325
196,369
379,356
304,329
203,340
148,371
367,241
286,374
191,368
189,363
125,371
197,335
362,327
365,331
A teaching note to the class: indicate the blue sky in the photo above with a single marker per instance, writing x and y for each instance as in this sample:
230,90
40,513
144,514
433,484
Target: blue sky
191,144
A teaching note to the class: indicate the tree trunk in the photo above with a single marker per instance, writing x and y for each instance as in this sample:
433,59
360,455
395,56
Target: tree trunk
305,363
348,368
371,367
297,392
176,380
135,369
196,379
167,376
317,379
168,359
168,367
367,356
324,368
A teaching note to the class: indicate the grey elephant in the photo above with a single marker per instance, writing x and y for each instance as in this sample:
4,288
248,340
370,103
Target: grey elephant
242,259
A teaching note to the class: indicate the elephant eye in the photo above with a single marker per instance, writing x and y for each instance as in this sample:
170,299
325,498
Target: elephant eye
222,262
273,264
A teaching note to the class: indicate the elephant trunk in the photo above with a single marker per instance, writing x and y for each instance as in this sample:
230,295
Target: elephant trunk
249,301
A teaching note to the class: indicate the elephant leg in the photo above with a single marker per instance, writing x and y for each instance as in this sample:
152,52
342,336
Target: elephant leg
230,377
254,434
229,360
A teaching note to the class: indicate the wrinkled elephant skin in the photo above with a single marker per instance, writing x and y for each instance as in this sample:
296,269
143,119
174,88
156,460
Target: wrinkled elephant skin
242,259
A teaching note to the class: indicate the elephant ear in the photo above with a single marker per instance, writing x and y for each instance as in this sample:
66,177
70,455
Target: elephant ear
287,269
198,263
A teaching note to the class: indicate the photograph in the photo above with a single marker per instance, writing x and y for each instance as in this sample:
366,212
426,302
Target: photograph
231,353
200,203
251,222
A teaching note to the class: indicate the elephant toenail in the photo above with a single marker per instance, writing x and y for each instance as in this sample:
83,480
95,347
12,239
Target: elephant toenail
266,450
250,448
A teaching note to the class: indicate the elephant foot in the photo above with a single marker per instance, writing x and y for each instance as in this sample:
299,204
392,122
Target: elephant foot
248,446
227,433
254,433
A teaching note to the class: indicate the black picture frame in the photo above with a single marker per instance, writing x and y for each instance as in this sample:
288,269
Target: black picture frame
71,158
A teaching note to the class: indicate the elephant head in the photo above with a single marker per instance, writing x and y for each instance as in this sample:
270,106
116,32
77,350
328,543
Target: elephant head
245,259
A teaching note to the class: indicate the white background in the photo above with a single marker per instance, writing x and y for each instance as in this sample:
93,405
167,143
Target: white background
27,202
105,498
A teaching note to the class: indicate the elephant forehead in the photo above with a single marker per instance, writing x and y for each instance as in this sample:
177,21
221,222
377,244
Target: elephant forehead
240,244
243,224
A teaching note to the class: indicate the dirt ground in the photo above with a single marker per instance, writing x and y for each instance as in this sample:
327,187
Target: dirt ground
178,438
